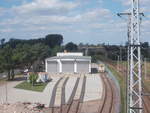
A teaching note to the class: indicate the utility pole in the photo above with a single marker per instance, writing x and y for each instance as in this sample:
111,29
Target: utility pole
120,58
145,66
128,56
86,51
134,84
120,53
118,67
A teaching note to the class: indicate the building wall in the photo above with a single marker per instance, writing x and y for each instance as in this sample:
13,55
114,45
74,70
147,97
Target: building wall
82,66
68,66
52,66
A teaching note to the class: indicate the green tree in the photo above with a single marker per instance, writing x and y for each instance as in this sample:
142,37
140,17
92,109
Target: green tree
1,62
55,50
145,49
53,40
21,54
8,62
39,53
71,47
2,43
33,77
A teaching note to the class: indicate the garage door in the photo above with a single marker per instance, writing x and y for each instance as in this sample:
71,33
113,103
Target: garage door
83,66
52,66
68,66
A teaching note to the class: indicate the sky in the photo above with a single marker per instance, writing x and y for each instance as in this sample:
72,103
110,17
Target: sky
79,21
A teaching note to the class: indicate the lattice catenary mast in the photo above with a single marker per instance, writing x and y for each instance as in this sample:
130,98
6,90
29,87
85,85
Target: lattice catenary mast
135,81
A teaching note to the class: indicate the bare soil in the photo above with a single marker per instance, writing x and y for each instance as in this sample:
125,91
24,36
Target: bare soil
22,108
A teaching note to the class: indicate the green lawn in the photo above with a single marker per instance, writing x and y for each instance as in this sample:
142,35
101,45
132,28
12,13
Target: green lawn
39,87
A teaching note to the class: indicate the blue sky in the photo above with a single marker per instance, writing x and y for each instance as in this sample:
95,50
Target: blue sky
86,21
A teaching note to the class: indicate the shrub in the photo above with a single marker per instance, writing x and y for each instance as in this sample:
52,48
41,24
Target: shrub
33,77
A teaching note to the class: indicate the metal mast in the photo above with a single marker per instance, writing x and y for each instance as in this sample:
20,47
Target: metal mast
128,63
135,84
134,81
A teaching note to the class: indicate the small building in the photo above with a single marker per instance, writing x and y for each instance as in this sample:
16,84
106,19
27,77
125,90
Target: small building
101,68
68,63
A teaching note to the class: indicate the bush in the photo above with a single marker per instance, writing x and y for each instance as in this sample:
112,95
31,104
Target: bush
33,77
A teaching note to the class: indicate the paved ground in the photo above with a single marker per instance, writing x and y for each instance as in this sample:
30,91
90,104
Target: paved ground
61,90
18,95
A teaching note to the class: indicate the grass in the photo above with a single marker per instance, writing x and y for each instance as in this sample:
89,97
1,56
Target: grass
39,87
121,80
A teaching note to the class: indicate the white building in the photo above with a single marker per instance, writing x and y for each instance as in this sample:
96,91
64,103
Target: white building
68,63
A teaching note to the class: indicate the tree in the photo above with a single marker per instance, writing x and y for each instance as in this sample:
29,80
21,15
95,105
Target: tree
53,40
55,50
1,62
145,45
2,43
81,45
21,54
145,49
7,61
71,47
39,53
33,77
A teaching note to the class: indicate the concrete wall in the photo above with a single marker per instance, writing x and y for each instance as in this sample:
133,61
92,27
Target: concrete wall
68,66
82,66
52,66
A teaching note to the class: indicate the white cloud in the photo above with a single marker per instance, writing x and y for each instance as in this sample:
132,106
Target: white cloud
72,23
45,6
97,13
129,2
6,30
89,16
62,16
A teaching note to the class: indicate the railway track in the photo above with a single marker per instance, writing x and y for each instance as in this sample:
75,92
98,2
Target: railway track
105,105
145,106
146,101
73,104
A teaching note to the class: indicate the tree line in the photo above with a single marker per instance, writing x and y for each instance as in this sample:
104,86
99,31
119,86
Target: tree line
21,54
113,52
29,54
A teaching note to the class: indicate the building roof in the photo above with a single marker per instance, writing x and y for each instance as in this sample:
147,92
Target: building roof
69,57
70,54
